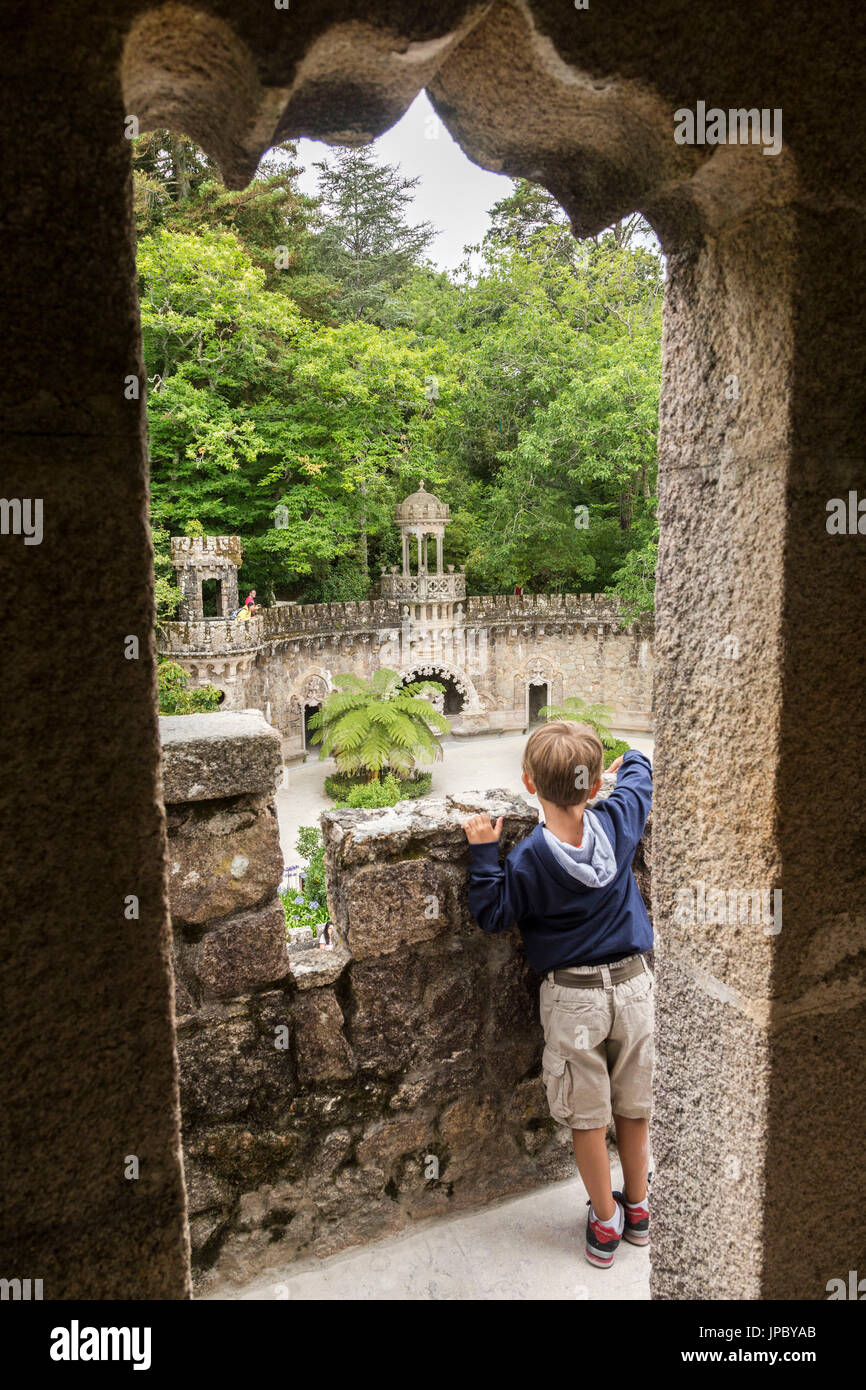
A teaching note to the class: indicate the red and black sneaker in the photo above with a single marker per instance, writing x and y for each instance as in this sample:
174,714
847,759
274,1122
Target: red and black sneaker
602,1238
636,1230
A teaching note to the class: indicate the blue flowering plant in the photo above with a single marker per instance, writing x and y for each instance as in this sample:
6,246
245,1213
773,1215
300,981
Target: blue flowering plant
306,906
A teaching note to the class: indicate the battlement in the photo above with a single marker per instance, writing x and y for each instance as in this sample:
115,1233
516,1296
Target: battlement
284,621
209,637
534,608
295,619
207,551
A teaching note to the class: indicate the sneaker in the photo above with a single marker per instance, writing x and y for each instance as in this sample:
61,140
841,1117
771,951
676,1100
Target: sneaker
636,1229
602,1240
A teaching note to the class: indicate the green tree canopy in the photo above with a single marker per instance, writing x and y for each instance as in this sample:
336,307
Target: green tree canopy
306,366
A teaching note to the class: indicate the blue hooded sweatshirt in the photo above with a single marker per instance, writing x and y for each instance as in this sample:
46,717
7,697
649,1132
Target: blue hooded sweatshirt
572,906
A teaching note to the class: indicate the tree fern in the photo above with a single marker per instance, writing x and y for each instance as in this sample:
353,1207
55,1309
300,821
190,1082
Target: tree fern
598,717
380,723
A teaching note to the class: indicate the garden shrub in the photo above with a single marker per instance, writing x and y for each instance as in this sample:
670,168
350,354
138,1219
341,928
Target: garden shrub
341,788
613,749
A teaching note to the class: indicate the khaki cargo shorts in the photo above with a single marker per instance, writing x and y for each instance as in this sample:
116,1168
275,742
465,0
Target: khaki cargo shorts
598,1054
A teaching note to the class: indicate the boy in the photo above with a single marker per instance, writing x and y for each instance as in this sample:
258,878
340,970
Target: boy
570,888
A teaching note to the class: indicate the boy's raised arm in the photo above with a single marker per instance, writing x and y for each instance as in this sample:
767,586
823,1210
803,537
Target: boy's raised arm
631,798
494,897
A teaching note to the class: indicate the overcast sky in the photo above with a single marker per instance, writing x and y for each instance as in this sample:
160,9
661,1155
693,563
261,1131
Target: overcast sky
454,194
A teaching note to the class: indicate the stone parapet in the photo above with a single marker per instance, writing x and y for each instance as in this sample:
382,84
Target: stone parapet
583,609
210,756
206,551
206,637
422,588
331,1097
289,619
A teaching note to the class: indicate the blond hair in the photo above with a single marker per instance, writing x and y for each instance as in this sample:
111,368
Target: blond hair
564,760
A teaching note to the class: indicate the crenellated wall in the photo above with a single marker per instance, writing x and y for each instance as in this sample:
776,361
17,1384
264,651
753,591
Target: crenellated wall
490,650
332,1096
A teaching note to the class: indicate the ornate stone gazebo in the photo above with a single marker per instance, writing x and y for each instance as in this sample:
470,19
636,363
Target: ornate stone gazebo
423,516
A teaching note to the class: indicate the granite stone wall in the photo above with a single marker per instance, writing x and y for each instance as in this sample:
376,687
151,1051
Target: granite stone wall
331,1096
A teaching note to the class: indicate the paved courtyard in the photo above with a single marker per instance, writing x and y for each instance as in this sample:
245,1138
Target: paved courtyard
469,764
525,1248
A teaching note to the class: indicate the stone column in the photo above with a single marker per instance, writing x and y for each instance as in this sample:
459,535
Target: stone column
405,543
439,554
94,1199
759,761
229,591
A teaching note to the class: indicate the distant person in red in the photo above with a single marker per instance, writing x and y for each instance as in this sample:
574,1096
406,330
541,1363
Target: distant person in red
249,609
518,589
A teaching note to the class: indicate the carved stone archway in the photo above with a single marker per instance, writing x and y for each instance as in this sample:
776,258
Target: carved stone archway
429,670
309,691
537,670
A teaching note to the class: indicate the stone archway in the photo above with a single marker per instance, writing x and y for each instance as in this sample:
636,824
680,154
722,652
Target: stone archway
308,694
764,294
452,677
536,671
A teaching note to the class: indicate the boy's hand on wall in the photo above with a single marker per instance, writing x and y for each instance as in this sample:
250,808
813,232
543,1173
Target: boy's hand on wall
615,766
479,831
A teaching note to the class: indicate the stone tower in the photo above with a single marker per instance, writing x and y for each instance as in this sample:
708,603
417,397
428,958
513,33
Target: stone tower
201,558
